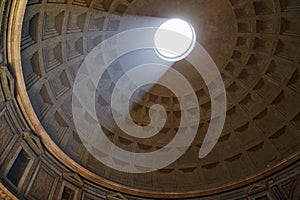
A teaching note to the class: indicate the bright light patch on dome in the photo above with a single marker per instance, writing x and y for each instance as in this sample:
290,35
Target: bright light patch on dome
174,40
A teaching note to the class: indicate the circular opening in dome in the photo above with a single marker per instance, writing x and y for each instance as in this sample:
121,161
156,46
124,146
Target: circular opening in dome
174,40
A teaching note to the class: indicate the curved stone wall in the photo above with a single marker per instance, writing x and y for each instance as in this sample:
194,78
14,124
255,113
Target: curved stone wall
261,136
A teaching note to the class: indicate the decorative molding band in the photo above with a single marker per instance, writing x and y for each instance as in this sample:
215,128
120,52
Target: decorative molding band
6,194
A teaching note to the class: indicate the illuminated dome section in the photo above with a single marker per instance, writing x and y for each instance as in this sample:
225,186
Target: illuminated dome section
174,40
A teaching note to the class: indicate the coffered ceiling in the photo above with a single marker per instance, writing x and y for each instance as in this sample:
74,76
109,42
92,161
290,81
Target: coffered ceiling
254,43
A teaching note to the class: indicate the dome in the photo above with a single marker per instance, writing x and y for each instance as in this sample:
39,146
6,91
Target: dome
102,114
